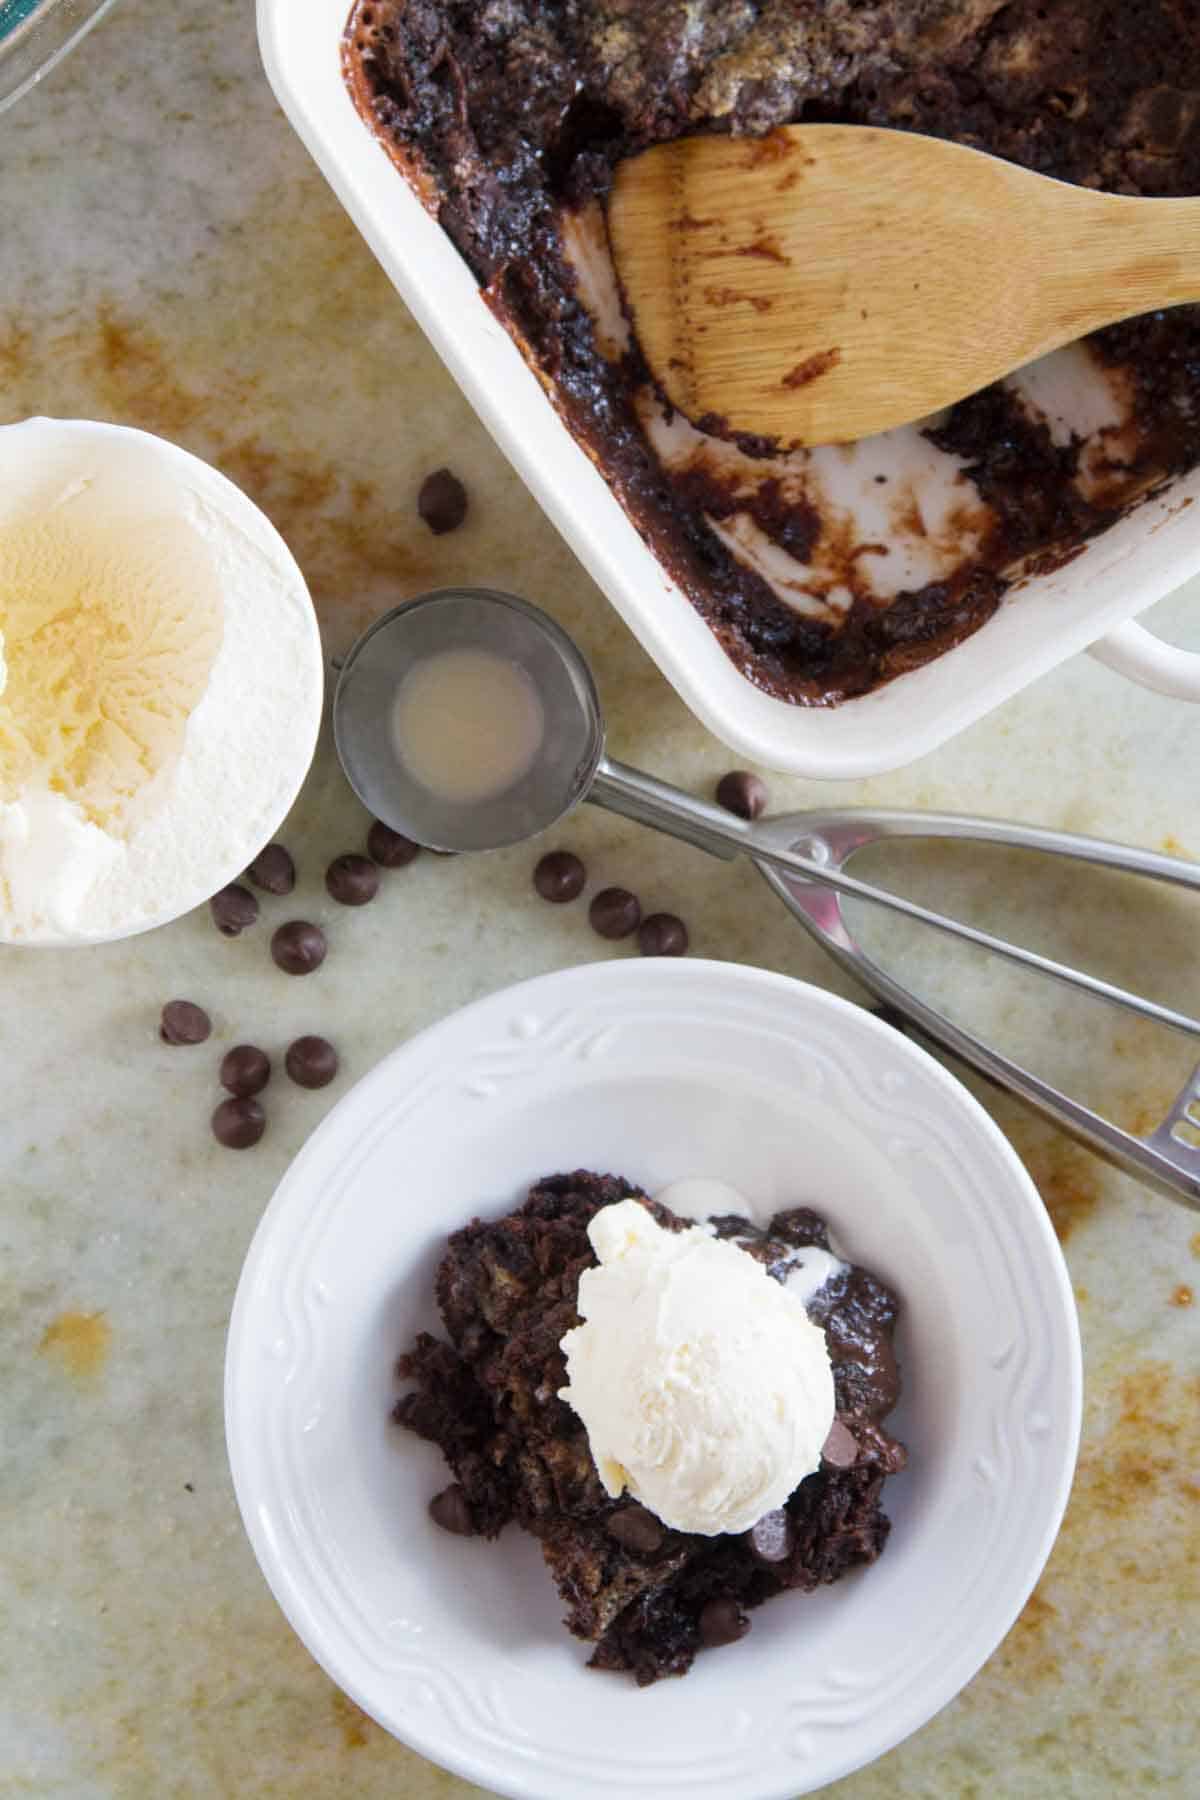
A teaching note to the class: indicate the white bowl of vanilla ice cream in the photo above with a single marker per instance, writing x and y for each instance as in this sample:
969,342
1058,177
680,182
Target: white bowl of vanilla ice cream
160,681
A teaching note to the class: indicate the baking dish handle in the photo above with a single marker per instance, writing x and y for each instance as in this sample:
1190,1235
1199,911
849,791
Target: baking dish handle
1140,656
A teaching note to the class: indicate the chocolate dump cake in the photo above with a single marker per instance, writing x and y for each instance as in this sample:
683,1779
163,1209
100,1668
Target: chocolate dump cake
647,1595
824,573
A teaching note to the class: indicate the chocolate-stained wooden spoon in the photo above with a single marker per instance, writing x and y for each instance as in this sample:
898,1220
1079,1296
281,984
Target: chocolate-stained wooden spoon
830,281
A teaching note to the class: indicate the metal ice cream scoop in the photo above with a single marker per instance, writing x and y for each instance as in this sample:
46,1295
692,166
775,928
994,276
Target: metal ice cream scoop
802,855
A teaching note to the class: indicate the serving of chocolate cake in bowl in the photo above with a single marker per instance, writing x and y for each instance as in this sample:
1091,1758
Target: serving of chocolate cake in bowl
658,1414
822,574
647,1594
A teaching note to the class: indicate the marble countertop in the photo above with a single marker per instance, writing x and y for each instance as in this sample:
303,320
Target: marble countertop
171,259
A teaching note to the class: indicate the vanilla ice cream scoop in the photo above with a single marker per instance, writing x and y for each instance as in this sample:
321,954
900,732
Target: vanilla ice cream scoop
705,1388
109,639
160,681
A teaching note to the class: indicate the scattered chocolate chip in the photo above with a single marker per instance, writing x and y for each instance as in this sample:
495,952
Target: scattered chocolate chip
559,876
388,848
233,909
238,1123
450,1510
442,502
245,1070
312,1062
772,1539
189,1487
273,870
743,793
662,934
183,1022
840,1449
636,1529
891,1015
722,1621
352,880
298,947
614,912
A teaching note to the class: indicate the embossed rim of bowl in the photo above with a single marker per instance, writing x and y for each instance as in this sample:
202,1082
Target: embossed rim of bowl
303,725
667,1070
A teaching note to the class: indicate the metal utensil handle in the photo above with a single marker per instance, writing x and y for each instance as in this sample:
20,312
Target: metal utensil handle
648,801
665,808
1170,1159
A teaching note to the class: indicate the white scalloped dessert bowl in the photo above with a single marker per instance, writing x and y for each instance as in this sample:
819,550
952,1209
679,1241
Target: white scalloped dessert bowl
1088,604
658,1072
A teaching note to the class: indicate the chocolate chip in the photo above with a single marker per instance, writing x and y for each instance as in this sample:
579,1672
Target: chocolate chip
298,947
559,876
273,870
183,1022
743,793
614,912
352,880
840,1449
245,1070
388,848
442,502
450,1510
772,1539
662,934
636,1529
233,909
312,1062
722,1621
238,1123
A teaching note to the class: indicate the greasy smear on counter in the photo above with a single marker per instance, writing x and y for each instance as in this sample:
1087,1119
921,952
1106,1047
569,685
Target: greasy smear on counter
821,573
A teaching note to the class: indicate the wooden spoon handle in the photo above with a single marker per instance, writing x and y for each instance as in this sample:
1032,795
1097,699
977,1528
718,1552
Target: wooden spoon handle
1108,256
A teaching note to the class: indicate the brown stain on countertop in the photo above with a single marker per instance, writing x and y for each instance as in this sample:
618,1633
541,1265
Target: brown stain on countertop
1129,1549
344,530
357,1727
1066,1176
79,1342
296,371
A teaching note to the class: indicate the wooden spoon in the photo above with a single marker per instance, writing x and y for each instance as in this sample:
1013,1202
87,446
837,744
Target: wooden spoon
830,281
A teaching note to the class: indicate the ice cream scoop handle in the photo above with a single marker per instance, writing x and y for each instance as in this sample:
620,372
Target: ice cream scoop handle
665,808
646,801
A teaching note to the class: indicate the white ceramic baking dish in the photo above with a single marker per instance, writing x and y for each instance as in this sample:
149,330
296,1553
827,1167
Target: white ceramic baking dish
1090,603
